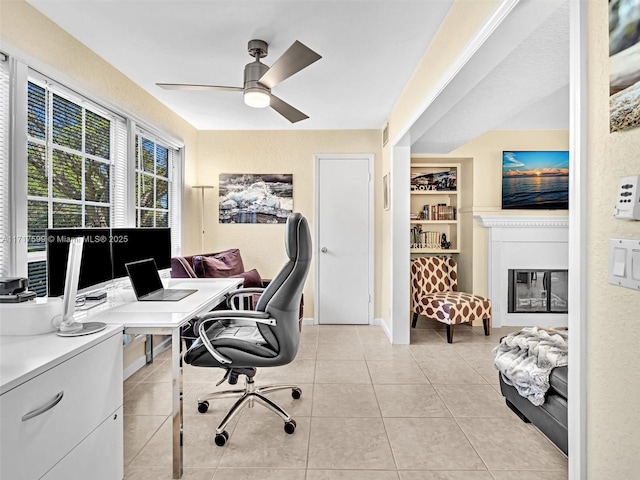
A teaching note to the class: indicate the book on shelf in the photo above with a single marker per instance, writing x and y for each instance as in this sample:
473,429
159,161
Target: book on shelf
440,211
429,240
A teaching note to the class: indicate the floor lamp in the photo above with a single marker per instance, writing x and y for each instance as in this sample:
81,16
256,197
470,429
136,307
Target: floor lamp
202,189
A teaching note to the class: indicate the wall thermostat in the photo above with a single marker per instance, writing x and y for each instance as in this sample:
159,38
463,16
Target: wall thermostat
628,202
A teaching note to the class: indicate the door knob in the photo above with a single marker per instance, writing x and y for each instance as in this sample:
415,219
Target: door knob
323,249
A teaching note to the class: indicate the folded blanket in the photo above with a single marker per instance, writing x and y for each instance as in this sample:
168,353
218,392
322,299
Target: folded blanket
525,359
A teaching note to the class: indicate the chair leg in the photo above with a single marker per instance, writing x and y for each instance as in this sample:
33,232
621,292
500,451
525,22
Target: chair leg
486,323
415,320
449,333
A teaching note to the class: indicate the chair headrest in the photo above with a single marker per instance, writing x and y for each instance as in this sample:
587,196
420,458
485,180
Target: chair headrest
297,237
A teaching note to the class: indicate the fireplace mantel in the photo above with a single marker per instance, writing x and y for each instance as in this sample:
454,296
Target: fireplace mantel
523,242
520,221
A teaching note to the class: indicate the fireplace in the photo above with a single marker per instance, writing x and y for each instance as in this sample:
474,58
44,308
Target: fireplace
527,262
538,291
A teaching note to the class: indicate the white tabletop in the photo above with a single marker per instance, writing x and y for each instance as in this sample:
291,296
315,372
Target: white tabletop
24,357
122,307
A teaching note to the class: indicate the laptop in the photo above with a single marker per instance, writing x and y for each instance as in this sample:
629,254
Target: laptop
147,285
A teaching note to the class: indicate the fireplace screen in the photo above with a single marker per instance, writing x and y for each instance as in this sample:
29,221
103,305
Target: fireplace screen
538,291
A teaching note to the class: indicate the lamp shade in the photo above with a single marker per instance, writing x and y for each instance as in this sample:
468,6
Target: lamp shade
256,98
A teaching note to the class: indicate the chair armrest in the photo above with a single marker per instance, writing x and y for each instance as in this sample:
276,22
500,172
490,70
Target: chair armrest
247,315
241,292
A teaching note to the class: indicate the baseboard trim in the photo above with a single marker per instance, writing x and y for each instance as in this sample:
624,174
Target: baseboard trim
385,328
308,321
142,361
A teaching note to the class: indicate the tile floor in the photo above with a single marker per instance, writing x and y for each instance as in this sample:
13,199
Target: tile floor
369,411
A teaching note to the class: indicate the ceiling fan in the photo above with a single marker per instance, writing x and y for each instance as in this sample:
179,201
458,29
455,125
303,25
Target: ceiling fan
259,78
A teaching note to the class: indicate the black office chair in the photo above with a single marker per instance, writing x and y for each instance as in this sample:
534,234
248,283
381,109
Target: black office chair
241,340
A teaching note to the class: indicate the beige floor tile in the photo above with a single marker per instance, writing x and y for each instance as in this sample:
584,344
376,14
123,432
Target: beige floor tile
372,335
421,336
147,473
267,443
342,371
508,444
328,351
373,352
307,351
434,353
191,374
431,444
451,373
352,475
529,475
473,401
464,334
258,474
138,430
157,452
349,443
396,372
344,400
298,371
445,475
199,449
424,322
148,399
162,373
410,401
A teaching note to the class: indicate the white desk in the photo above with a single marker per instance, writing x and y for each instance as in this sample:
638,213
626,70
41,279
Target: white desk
166,318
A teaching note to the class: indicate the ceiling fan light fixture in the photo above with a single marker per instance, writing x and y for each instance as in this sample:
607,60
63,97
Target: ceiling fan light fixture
256,98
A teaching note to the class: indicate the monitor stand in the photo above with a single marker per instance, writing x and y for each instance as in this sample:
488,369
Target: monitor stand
69,327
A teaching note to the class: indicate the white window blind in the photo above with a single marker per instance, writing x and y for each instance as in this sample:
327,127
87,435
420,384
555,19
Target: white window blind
158,186
5,213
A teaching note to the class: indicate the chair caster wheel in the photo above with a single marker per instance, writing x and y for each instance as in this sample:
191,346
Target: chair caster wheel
203,407
221,438
290,427
296,393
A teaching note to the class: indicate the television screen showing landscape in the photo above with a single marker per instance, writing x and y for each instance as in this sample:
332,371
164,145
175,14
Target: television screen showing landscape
535,180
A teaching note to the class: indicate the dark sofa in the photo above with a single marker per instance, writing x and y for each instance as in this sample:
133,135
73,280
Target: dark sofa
550,417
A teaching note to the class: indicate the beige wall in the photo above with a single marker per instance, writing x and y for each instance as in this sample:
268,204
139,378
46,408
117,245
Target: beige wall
613,313
262,246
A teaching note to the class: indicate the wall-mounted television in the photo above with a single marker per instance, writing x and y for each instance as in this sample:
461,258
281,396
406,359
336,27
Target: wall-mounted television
537,180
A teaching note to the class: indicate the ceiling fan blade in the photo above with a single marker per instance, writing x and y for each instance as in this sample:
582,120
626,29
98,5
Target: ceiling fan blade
287,111
297,57
187,86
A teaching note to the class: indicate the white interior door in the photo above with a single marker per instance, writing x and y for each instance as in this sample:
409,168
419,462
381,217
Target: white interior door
344,239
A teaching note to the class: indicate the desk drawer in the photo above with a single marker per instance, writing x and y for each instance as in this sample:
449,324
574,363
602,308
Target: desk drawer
88,388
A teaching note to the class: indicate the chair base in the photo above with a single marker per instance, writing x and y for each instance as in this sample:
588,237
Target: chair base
248,397
486,324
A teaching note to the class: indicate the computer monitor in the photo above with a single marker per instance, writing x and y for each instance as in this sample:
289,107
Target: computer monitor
133,244
95,267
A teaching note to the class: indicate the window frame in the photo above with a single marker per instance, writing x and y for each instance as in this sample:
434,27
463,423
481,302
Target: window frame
16,258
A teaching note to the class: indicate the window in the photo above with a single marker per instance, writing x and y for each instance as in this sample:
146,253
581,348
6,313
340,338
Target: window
70,153
72,165
152,183
157,189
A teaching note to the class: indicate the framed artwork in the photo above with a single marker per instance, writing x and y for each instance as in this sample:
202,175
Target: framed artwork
535,180
255,198
624,66
386,192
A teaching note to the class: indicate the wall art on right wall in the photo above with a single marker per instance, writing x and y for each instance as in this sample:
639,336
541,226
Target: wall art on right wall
624,64
536,180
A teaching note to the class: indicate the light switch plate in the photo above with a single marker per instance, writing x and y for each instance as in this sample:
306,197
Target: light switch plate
624,262
628,200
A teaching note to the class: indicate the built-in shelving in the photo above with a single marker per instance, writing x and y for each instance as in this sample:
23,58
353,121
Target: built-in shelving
434,201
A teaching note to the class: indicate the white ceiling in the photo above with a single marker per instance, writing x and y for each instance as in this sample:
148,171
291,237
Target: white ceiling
369,50
517,80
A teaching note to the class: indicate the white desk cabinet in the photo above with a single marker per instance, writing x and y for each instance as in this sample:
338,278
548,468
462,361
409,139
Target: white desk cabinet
65,421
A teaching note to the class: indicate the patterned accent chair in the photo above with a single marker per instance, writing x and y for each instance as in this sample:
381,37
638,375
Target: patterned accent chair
434,294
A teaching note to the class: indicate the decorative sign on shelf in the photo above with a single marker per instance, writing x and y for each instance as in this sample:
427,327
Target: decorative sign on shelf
438,181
